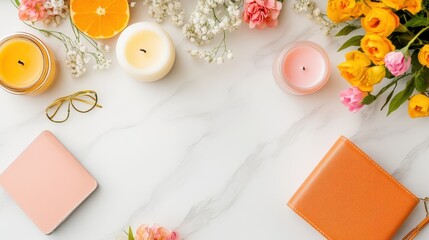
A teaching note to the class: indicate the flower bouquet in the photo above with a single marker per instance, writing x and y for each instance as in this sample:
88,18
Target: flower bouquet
395,47
155,232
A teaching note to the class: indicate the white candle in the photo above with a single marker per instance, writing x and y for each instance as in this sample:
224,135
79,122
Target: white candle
145,51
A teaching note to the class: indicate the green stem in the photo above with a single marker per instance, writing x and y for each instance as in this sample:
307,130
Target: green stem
393,82
415,37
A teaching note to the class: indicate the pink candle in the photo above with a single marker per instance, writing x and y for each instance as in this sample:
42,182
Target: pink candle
302,68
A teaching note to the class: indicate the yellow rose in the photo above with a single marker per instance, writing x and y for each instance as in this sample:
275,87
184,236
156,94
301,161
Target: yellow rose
373,76
418,106
395,4
358,56
357,72
380,21
424,55
355,66
367,5
412,6
376,47
352,72
343,10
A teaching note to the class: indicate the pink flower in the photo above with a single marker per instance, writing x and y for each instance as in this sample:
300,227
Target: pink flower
261,13
144,232
174,236
352,98
32,10
397,63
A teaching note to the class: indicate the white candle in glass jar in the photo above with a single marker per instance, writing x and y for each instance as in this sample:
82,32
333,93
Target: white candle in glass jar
145,51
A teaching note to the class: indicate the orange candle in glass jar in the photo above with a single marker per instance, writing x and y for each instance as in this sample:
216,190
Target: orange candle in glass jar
27,66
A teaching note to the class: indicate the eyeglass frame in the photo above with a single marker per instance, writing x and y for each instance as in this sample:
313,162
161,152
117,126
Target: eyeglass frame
60,101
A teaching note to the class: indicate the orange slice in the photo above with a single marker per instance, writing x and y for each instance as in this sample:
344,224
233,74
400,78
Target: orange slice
100,18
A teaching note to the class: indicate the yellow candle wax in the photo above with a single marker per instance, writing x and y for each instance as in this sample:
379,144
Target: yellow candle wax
21,63
144,49
27,65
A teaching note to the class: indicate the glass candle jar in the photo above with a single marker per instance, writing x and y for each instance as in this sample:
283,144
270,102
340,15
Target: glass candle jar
27,64
302,68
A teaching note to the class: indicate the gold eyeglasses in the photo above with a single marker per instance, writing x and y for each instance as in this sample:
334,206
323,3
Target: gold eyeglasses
82,101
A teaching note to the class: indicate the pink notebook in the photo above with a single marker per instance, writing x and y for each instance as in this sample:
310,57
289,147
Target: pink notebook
47,182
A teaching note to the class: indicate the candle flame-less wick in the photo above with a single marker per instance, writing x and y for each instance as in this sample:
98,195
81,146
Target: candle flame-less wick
303,68
141,49
21,62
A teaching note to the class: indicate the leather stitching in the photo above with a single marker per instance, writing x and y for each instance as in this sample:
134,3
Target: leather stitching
309,221
378,167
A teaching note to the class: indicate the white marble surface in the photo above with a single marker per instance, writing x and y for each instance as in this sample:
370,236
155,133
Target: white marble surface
214,151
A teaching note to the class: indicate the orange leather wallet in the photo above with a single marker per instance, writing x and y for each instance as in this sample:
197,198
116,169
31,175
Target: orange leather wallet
348,196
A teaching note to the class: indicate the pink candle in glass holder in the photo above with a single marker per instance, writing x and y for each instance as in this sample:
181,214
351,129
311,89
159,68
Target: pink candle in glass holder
302,68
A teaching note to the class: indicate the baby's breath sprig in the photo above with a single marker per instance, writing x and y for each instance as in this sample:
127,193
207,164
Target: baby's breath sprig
77,53
310,8
160,9
210,18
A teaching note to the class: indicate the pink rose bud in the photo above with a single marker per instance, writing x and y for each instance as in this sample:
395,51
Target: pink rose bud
397,63
261,13
352,98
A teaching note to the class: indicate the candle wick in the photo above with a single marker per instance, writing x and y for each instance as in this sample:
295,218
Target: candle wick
21,62
141,49
303,68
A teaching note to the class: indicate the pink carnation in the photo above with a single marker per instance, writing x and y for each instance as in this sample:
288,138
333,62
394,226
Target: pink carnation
397,63
261,13
144,232
32,10
352,98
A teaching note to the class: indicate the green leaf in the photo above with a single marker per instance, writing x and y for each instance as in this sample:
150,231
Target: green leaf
346,30
130,234
389,75
417,21
415,61
401,97
368,99
353,41
401,28
421,83
422,79
389,97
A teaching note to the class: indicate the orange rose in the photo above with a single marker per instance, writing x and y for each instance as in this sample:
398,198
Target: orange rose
380,21
418,106
412,6
367,5
343,10
376,47
424,55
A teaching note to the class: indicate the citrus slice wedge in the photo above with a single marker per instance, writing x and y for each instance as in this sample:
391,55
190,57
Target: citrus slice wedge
100,18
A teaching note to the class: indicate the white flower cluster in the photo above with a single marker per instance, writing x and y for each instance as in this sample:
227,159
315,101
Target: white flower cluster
77,57
76,60
160,9
57,10
210,18
310,8
100,58
211,55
